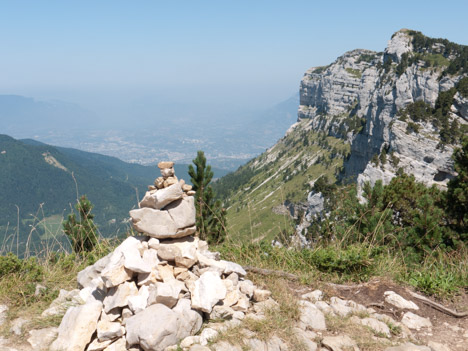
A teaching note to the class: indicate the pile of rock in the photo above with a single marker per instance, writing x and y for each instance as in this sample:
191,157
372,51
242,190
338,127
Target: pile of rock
156,289
167,209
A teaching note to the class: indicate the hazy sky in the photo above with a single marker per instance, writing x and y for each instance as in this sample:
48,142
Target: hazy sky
99,53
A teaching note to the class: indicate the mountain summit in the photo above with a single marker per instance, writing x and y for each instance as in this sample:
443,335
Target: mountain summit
364,117
414,72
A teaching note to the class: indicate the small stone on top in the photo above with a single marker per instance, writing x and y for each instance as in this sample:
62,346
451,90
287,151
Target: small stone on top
165,164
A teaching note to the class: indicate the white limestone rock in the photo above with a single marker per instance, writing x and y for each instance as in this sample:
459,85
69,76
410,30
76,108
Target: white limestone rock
134,262
77,327
166,272
112,315
339,343
182,251
183,212
3,314
396,300
155,328
97,345
109,330
115,272
435,346
313,296
408,347
153,243
118,296
340,307
207,335
324,307
17,325
162,197
376,326
311,317
189,341
232,297
225,346
119,345
306,337
138,303
221,266
247,288
190,320
260,295
243,304
157,224
40,339
91,275
65,300
413,321
221,312
208,290
165,293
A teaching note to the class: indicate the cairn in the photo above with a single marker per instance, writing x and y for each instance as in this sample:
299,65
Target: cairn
157,289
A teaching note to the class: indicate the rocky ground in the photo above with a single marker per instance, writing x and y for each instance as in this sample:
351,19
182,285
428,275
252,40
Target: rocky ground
166,290
378,315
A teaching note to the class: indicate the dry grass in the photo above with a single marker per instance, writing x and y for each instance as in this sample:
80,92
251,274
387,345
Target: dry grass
366,339
278,321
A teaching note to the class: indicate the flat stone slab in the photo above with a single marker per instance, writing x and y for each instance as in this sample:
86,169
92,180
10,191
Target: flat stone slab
396,300
162,197
77,327
413,321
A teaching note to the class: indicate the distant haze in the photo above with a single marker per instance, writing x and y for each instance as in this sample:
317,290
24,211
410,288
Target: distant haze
150,65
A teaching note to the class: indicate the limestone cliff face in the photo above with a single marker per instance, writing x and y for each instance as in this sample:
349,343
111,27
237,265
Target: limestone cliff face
358,96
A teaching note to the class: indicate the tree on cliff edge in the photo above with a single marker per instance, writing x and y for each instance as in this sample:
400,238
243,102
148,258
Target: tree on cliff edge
211,216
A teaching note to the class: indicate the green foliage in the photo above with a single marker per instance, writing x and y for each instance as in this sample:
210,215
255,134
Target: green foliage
83,233
211,216
10,264
383,157
457,192
365,58
458,65
404,63
440,274
230,183
320,69
41,190
355,73
354,260
387,65
405,216
462,87
419,111
324,186
412,128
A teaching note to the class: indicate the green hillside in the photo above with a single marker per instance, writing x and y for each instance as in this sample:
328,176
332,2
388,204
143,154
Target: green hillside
39,184
257,194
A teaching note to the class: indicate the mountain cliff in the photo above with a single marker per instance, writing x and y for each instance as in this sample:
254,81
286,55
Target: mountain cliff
365,117
374,87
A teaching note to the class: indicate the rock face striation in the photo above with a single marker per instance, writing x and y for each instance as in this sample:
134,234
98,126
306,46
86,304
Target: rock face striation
358,97
156,289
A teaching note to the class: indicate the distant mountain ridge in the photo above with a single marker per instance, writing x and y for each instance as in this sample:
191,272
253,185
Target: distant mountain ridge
36,176
159,129
18,113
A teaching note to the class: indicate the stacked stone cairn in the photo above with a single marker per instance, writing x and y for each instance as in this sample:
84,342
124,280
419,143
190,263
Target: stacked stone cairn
155,290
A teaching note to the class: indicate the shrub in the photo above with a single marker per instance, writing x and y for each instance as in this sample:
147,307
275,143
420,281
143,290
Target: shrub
82,233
